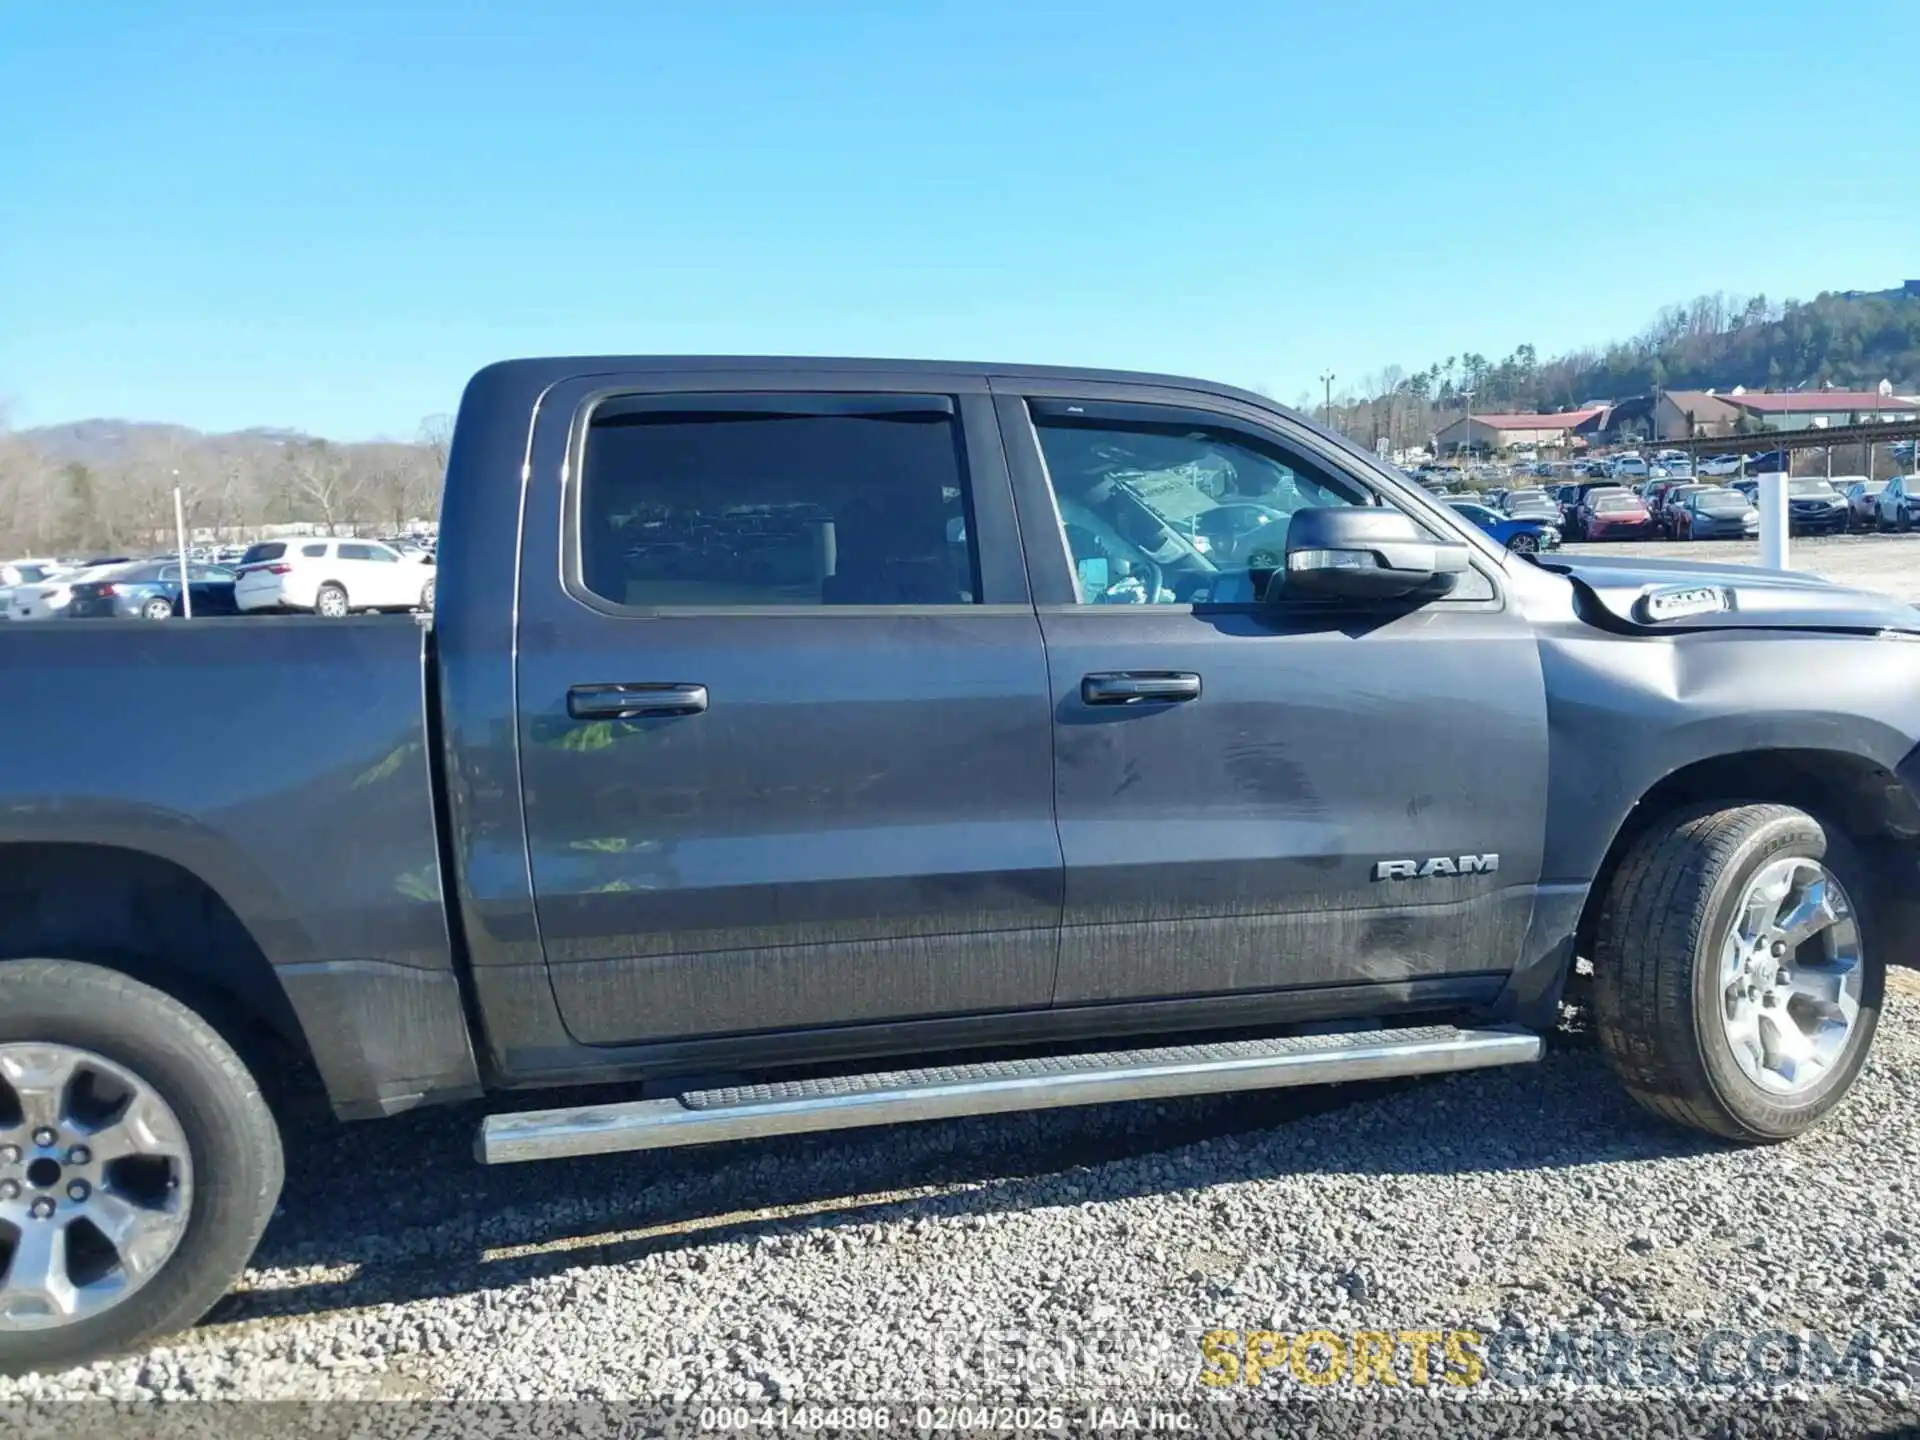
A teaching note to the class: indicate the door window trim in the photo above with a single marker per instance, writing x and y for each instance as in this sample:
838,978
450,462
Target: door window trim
992,528
1052,563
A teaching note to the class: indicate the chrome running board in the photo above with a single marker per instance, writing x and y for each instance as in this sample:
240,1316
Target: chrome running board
700,1117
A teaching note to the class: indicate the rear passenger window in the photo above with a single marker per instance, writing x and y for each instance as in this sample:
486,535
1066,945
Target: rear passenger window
775,500
314,552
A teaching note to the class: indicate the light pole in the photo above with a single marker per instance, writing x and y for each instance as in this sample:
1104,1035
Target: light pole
1326,379
1467,433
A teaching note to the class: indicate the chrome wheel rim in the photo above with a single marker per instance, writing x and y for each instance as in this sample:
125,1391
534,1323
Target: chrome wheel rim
333,604
96,1184
1523,544
1791,976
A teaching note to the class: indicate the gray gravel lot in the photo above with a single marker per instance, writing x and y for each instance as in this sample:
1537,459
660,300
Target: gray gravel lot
1079,1256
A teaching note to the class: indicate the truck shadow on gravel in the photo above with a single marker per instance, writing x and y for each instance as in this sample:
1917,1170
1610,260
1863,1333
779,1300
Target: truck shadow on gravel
403,1208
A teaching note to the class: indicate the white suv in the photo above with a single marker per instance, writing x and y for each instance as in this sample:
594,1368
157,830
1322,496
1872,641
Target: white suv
330,577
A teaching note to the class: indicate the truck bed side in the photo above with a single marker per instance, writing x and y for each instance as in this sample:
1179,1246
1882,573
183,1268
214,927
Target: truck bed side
281,765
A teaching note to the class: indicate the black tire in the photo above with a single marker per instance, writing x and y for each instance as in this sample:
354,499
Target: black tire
1655,959
231,1138
329,591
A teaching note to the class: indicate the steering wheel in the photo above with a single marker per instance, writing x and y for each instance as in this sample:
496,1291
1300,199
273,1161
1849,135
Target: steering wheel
1274,522
1148,573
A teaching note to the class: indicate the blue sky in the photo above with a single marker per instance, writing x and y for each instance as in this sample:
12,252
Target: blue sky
327,215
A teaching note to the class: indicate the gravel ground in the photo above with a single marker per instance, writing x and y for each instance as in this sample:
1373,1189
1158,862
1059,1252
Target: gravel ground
1874,562
1079,1257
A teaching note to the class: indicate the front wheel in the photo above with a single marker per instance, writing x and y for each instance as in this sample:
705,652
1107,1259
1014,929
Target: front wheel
1735,988
138,1164
331,601
1525,543
426,596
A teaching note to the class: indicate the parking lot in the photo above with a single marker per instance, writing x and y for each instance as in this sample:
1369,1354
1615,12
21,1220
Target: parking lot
1889,563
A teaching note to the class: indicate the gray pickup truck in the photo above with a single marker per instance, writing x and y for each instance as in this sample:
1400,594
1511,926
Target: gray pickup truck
811,744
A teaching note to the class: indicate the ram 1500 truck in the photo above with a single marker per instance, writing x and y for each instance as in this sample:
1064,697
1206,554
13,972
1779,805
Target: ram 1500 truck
806,744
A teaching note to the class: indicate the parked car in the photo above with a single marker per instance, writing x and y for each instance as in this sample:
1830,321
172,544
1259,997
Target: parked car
1898,503
812,836
1720,466
1859,492
1575,505
1531,505
1614,515
1814,507
331,578
1713,512
49,599
1523,537
1627,467
1674,496
151,590
26,571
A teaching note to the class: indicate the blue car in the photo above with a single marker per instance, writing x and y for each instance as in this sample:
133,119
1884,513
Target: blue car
1523,537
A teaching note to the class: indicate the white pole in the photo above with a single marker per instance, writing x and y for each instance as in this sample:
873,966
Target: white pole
180,526
1773,520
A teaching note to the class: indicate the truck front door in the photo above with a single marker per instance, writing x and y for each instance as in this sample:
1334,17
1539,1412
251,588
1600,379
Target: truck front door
783,707
1263,797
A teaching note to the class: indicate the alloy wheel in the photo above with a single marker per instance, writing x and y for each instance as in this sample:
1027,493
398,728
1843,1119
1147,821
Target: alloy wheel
1791,976
96,1184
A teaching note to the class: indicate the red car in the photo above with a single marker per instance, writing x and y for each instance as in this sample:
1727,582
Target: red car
1616,515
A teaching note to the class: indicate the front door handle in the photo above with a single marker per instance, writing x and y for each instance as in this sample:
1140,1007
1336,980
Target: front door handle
1139,687
636,700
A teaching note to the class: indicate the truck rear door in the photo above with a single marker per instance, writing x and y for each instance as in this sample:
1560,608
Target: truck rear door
783,706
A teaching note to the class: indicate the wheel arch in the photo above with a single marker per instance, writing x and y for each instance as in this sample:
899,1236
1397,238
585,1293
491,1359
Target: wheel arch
1867,801
153,919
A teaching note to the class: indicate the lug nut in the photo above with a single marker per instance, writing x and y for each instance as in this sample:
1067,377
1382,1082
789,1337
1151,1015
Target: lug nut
78,1190
1767,999
9,1189
1779,948
41,1208
9,1154
79,1155
43,1136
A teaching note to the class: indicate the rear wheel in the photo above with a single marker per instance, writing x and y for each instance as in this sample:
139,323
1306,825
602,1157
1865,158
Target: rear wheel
138,1164
1735,990
158,608
331,601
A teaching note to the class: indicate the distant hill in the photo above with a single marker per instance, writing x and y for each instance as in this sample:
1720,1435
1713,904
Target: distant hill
1851,340
103,444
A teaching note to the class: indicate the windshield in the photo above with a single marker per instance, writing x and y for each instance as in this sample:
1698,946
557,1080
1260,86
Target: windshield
1809,487
1721,496
1616,502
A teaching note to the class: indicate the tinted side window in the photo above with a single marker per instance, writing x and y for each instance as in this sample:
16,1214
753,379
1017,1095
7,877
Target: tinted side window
313,552
776,500
357,552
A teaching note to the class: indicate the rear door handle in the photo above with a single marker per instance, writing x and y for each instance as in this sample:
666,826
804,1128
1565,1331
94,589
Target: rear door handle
635,700
1139,687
